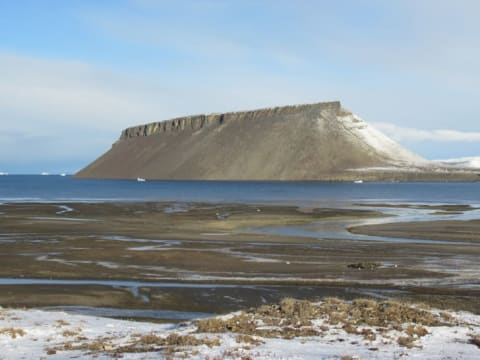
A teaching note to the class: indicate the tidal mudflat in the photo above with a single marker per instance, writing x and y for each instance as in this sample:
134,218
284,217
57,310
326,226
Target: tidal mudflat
198,280
214,258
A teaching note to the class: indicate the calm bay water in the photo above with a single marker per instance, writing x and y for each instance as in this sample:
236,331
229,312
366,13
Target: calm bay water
57,188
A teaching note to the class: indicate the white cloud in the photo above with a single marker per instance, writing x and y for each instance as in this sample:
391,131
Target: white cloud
35,90
406,134
60,111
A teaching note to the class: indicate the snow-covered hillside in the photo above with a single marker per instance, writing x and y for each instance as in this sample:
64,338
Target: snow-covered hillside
466,162
379,142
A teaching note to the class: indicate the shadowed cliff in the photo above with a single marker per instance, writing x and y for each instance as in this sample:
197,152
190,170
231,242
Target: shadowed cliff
319,141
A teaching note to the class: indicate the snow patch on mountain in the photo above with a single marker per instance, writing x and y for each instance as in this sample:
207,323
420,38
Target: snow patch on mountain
379,142
466,162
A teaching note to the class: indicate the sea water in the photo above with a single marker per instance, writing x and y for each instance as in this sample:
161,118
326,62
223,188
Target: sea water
51,188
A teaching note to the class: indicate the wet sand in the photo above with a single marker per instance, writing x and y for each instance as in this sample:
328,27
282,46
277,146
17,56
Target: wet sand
217,244
448,230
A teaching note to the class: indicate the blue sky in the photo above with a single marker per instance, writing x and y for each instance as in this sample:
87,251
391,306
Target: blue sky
74,73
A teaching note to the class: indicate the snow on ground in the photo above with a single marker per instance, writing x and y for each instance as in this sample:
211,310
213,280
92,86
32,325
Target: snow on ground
33,334
377,140
331,334
466,162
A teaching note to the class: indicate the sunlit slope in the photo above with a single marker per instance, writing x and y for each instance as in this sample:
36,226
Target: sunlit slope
319,141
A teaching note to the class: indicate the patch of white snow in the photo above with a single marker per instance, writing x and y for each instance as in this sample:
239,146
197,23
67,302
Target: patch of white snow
379,142
466,162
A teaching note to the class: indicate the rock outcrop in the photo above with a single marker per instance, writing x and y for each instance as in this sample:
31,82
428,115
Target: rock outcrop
319,141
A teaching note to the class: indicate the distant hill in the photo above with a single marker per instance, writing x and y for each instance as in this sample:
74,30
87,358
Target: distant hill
466,162
319,141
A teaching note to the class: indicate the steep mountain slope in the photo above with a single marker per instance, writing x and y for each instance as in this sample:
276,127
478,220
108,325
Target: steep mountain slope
319,141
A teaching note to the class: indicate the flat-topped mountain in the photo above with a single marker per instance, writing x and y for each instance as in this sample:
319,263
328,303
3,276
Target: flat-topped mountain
321,141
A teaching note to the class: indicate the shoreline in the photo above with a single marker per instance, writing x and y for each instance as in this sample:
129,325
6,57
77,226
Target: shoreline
449,230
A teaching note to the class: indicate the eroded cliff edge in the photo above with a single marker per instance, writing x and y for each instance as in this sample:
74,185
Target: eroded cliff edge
320,141
198,122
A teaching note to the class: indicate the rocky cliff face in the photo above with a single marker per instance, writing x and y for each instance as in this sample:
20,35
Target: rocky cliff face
198,122
319,141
